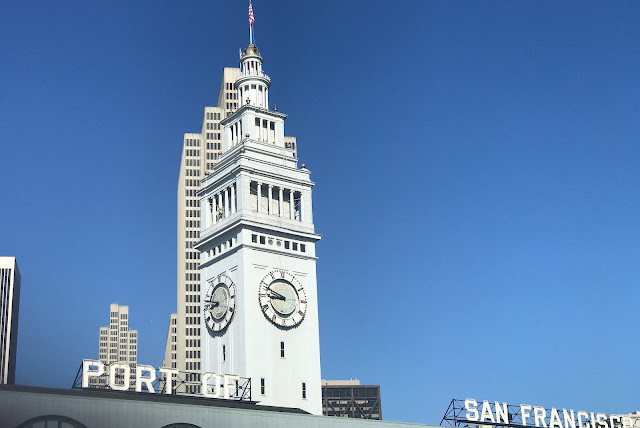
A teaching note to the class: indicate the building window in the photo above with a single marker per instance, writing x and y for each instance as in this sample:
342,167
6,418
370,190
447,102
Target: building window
286,245
295,246
304,390
262,240
303,248
281,349
224,353
262,386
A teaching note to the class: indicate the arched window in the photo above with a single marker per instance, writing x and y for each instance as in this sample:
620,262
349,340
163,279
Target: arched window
179,425
56,421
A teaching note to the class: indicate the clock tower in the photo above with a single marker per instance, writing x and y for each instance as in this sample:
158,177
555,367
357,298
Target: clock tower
259,313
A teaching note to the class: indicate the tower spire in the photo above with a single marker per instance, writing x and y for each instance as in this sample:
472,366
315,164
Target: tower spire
251,21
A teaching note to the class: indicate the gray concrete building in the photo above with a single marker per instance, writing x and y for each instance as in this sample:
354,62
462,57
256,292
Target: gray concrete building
26,407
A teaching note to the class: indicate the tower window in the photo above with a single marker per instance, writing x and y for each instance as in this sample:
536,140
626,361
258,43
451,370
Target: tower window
262,240
295,246
254,238
224,353
286,244
262,386
304,390
303,248
281,349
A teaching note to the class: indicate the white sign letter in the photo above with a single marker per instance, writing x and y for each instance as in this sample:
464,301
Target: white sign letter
227,384
215,392
487,414
88,372
502,413
580,422
168,379
125,376
472,412
539,413
140,379
554,419
524,411
569,419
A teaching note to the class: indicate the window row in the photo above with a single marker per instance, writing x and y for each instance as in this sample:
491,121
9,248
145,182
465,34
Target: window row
212,126
213,116
193,287
192,354
193,173
214,146
213,135
193,309
192,277
193,366
192,223
192,152
192,142
192,320
192,343
288,245
192,298
192,331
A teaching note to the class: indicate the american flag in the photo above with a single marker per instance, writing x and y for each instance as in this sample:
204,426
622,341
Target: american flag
251,18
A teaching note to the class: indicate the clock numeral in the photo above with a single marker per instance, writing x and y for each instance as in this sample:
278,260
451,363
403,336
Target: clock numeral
301,313
303,301
272,275
265,307
281,274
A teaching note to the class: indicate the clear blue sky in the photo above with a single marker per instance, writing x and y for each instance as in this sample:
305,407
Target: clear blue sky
477,184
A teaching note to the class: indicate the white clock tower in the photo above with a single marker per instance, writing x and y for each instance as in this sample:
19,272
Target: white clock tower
257,255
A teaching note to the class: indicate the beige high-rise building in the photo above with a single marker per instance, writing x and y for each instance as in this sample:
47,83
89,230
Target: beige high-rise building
117,344
200,152
9,305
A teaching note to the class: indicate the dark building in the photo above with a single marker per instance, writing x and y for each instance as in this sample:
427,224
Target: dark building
349,399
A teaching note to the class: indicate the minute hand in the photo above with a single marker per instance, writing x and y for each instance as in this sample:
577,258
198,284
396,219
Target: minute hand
277,295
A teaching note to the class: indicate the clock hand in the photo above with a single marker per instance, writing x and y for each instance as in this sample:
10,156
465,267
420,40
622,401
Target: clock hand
279,296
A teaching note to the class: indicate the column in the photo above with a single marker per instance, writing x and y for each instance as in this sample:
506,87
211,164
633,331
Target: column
269,199
301,211
291,204
259,191
226,202
209,212
233,198
280,213
218,203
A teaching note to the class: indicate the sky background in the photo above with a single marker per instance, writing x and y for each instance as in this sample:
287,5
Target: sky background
477,184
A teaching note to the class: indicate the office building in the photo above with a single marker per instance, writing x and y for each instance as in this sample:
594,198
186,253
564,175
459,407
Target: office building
9,308
349,399
117,344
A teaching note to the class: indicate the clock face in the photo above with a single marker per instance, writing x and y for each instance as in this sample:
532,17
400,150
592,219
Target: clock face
282,299
220,303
